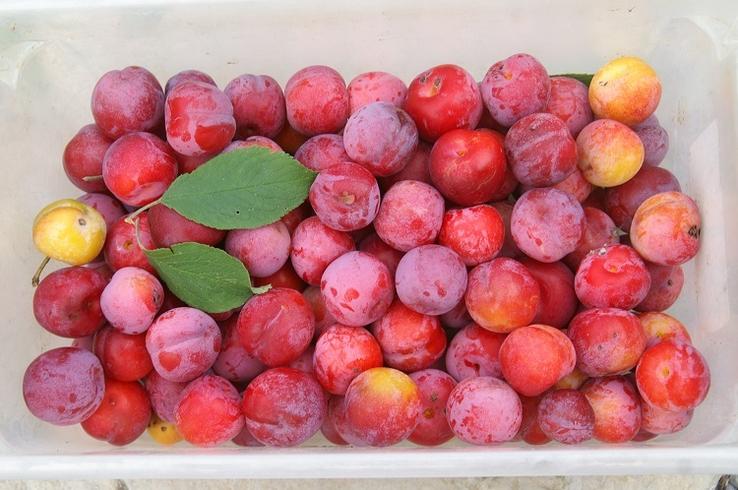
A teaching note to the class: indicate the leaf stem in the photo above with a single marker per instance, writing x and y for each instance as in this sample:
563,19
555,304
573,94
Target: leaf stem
131,217
92,178
261,289
37,276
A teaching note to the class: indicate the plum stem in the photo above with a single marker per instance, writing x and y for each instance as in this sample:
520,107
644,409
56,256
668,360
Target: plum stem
132,217
138,237
37,276
92,178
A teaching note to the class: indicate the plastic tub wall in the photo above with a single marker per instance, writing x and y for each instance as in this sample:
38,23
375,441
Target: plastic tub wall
51,55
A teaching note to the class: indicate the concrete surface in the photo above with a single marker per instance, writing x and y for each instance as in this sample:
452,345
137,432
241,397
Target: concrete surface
651,482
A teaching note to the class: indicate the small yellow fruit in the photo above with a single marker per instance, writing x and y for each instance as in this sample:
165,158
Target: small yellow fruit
163,432
69,231
626,89
610,153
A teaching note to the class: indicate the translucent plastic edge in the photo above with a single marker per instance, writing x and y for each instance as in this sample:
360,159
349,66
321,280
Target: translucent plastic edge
368,463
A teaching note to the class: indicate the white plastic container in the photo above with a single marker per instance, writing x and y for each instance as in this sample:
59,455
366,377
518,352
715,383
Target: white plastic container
52,53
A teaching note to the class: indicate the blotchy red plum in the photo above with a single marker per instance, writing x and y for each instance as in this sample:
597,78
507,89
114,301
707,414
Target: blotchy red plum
257,141
289,139
535,357
335,404
417,168
547,224
84,343
169,227
622,202
374,245
444,98
67,302
655,140
122,416
569,101
596,198
234,363
616,406
109,207
576,185
558,298
666,285
183,343
509,247
138,168
101,267
435,387
284,407
509,185
410,215
295,217
660,326
673,376
566,416
598,231
381,408
209,412
285,277
246,439
457,318
357,288
540,150
502,295
164,395
612,277
188,76
304,363
121,246
515,87
345,196
468,166
341,354
484,411
277,326
323,319
170,301
410,341
317,100
127,101
258,105
476,234
64,386
262,250
530,430
131,300
123,357
187,164
322,151
431,279
83,157
199,119
375,86
666,229
658,421
381,137
607,341
473,352
314,246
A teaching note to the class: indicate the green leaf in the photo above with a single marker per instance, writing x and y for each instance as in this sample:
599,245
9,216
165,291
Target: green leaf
245,188
204,277
585,78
